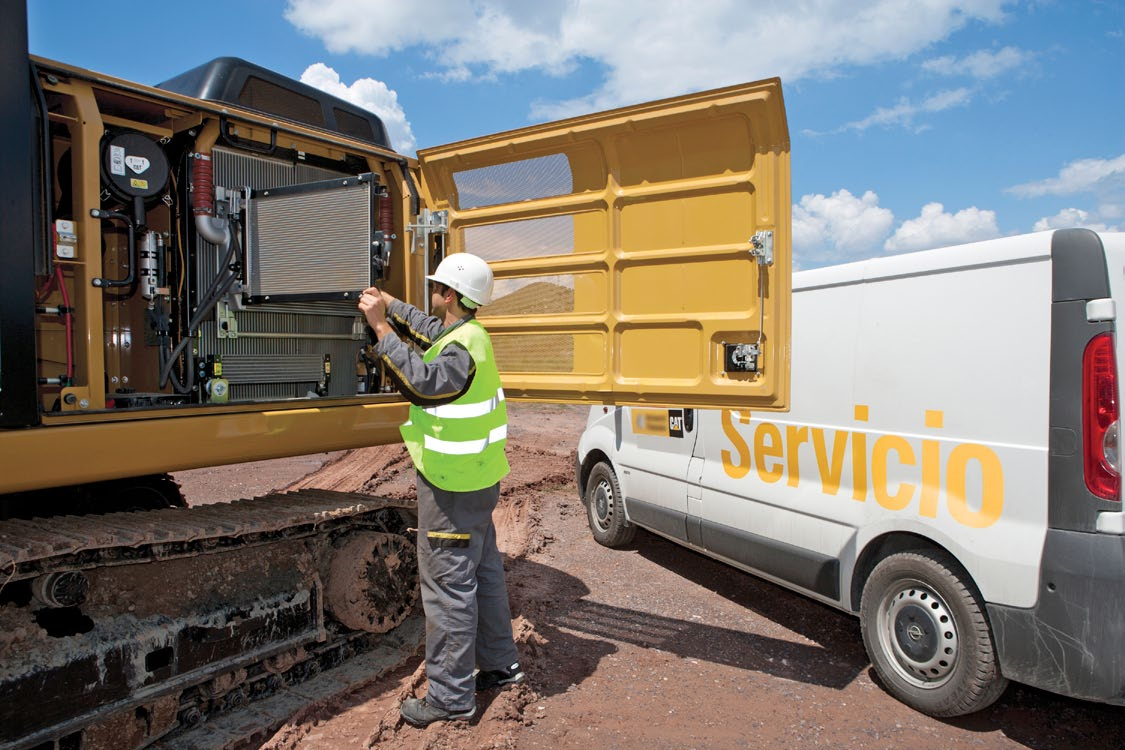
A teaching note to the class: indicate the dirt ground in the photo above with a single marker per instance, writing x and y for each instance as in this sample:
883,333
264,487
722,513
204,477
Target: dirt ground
652,646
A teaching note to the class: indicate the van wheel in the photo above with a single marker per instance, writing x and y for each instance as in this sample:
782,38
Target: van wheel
927,635
604,510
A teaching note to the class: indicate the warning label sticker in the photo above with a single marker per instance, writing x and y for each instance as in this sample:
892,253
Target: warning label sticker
137,183
137,163
117,160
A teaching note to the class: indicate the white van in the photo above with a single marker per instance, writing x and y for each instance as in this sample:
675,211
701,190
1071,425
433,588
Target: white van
949,470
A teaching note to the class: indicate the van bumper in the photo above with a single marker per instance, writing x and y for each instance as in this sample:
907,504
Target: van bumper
1073,641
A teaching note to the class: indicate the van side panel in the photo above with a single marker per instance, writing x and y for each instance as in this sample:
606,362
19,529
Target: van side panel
952,392
919,406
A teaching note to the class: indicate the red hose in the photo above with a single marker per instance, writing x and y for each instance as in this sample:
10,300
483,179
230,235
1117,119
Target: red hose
386,216
202,185
44,290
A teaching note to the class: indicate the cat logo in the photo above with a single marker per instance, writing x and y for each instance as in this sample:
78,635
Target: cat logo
659,422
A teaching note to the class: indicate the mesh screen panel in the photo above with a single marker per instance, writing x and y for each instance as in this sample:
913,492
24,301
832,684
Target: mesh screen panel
269,97
537,295
353,125
534,353
539,177
531,238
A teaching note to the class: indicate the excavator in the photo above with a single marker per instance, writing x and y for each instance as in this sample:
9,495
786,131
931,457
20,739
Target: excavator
181,265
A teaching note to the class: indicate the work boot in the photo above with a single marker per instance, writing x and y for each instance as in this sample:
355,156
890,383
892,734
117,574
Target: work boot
421,714
490,678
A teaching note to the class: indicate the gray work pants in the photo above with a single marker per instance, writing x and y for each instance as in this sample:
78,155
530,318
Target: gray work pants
468,620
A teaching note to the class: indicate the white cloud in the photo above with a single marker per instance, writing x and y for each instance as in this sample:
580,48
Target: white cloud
838,228
497,35
648,50
1102,178
1083,175
1072,217
377,27
936,228
841,227
982,64
372,95
904,113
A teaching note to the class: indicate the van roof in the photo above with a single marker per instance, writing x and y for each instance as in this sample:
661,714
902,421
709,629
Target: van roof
1002,251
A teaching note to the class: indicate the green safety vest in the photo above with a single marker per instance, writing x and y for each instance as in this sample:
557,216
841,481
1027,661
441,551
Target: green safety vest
459,446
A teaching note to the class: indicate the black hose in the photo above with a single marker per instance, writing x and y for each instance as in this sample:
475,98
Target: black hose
410,186
98,213
218,289
220,286
48,169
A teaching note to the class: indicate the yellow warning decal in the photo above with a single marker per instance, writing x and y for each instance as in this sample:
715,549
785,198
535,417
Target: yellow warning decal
138,183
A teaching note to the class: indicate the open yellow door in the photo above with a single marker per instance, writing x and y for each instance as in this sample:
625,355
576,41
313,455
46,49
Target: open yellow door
642,255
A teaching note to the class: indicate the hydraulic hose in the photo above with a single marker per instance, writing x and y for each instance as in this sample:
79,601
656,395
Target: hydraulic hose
100,282
210,228
219,287
48,161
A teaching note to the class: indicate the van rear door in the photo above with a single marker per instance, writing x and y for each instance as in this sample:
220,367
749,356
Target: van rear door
630,249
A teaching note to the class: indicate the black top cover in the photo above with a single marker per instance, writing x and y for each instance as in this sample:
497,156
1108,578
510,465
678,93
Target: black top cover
236,81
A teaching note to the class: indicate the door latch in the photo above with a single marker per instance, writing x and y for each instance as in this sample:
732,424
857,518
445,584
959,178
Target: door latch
762,247
741,357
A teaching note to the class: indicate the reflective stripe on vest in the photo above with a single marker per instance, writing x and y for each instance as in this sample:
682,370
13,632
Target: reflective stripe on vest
465,447
457,410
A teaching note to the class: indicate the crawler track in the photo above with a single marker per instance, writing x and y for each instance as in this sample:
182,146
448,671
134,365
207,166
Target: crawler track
121,629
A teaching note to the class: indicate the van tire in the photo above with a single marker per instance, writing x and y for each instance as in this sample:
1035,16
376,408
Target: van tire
605,511
927,635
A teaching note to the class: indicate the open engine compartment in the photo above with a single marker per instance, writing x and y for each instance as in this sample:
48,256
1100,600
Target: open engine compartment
222,258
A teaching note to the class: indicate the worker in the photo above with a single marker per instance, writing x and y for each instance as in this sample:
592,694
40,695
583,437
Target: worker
456,436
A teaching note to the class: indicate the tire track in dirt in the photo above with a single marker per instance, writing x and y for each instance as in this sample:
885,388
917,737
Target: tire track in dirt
383,470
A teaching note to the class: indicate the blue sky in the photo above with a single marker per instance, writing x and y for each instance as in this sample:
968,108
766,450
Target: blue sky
914,123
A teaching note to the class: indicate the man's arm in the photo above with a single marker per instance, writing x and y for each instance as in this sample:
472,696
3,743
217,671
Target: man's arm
412,323
433,383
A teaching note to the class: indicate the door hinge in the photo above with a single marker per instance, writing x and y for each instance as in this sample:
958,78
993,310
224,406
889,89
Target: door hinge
429,224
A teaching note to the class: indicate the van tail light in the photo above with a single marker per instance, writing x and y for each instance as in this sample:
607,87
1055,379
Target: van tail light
1100,418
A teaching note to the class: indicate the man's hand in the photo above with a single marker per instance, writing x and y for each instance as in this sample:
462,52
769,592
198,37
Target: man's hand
373,304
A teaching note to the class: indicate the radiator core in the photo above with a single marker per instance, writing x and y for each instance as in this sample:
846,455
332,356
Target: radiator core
311,241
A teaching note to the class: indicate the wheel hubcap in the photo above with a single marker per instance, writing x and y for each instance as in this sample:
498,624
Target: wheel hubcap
603,503
922,635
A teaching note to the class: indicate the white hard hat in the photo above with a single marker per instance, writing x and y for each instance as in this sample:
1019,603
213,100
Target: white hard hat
467,274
